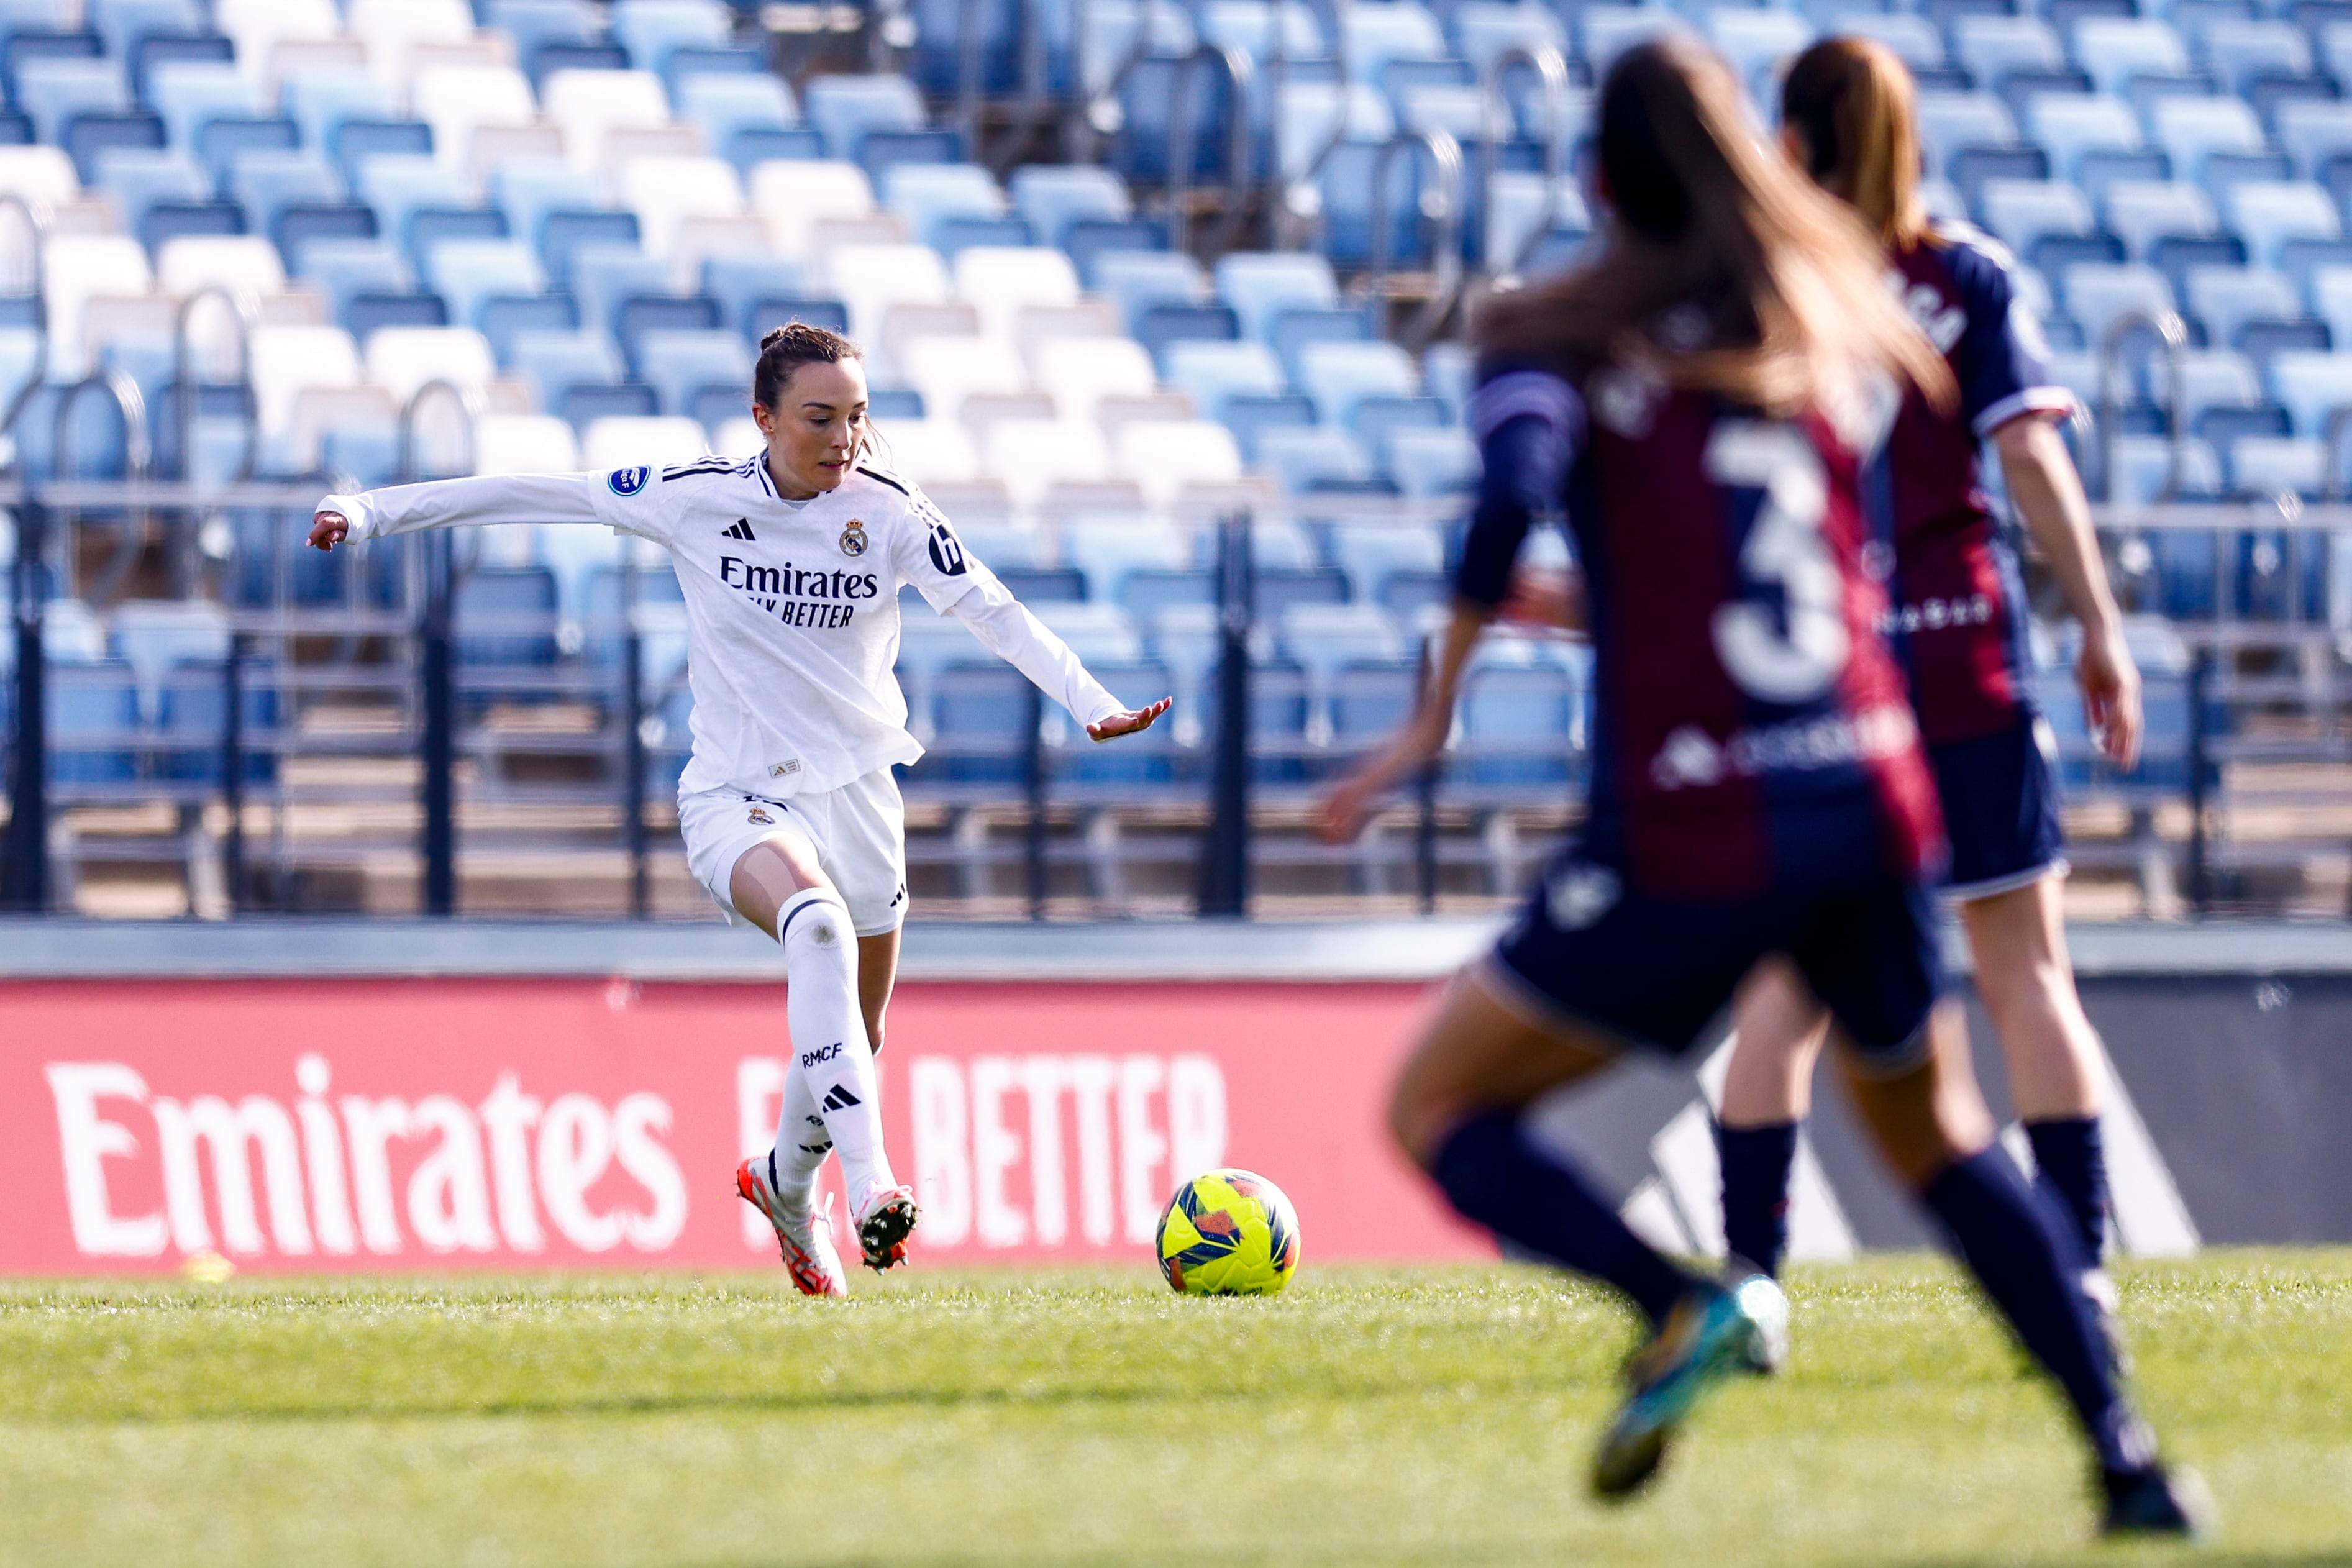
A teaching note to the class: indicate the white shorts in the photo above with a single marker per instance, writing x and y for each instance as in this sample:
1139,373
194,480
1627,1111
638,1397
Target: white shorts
857,835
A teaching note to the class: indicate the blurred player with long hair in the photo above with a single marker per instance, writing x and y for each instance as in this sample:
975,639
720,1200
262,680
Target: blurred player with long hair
1690,402
1958,617
791,562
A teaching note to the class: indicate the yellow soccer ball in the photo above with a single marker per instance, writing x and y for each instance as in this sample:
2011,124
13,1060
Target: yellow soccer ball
1228,1233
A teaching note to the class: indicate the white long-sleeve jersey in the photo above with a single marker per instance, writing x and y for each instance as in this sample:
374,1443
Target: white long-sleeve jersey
792,608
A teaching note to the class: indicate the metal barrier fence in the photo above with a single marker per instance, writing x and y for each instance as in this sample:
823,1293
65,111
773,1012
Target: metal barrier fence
397,644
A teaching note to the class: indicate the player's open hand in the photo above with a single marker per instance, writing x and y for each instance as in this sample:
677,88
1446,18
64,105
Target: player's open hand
1119,724
1350,804
329,528
2110,682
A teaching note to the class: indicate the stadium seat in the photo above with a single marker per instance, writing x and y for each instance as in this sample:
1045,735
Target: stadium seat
2192,130
1052,197
457,101
2311,387
724,107
1211,374
2264,466
2069,125
1135,280
2022,212
590,105
1604,32
1429,463
1001,282
2240,49
1259,286
931,451
285,362
75,270
1164,457
2141,211
2097,295
1308,458
870,279
322,101
667,194
1341,375
1032,456
468,273
927,194
2313,130
2115,50
1950,122
845,109
1991,47
2226,297
402,360
187,94
1081,371
2267,215
245,263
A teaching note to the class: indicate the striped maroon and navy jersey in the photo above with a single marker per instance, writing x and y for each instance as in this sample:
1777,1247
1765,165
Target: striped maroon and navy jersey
1750,729
1958,604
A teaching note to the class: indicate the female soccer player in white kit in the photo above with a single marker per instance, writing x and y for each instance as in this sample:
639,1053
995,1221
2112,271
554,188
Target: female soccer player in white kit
792,563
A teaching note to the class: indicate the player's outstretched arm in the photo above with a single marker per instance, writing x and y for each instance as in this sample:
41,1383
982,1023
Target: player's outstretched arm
1128,721
499,498
1349,805
1007,629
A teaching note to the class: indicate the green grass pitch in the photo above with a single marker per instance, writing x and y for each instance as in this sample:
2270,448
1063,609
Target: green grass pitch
1440,1415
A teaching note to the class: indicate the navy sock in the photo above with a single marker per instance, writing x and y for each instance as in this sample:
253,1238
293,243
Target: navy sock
1756,1164
1495,1175
2072,1161
2023,1253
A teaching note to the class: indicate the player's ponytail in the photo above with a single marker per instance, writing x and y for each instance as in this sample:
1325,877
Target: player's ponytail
1848,104
1722,267
789,347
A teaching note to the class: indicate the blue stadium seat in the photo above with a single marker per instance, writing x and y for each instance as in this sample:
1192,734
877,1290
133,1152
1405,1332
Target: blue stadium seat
723,107
342,268
1950,122
53,90
1341,375
168,221
1303,459
736,281
982,715
365,314
503,318
358,142
1428,463
2069,125
2226,298
1260,285
651,30
189,94
2268,214
682,365
1052,197
1213,372
846,109
1090,241
93,723
468,273
191,723
322,101
605,276
2115,50
2239,50
2141,211
1135,280
926,194
504,621
397,185
2020,213
123,23
1519,726
89,137
265,183
138,179
156,48
557,363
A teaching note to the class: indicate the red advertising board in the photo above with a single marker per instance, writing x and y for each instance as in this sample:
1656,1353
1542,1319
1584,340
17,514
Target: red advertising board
400,1125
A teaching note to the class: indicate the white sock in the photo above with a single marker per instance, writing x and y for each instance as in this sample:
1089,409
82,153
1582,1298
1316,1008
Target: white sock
831,1064
802,1145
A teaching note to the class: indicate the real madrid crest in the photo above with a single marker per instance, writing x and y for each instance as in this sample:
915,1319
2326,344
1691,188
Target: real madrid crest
853,538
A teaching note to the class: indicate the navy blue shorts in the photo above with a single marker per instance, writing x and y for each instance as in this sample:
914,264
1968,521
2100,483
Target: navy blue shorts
2001,810
1655,971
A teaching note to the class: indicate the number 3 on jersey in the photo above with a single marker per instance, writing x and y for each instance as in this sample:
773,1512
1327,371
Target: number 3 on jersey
1784,549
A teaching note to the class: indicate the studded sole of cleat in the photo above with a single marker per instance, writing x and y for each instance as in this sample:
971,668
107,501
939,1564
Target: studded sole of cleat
883,1237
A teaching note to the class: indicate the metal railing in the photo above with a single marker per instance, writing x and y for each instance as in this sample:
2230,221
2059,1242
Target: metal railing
1552,70
1235,67
1446,275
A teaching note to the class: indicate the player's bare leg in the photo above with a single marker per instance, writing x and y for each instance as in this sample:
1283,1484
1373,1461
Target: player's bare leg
831,1098
2027,984
877,977
1457,1111
1932,1127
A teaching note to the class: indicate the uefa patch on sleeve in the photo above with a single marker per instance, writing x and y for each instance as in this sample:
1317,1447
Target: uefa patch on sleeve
627,482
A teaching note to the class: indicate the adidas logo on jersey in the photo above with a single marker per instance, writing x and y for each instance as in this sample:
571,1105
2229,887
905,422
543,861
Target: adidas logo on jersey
742,530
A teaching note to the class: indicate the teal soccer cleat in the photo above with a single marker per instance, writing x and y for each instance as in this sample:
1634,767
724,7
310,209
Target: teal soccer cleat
1713,1333
2157,1501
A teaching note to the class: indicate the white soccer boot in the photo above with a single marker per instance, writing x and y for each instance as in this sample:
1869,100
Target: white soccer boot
806,1241
885,1220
